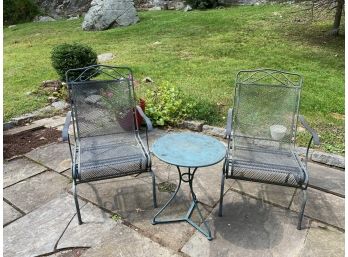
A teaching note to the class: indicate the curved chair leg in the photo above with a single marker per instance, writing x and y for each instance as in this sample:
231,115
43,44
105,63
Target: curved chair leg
154,190
77,203
221,193
303,205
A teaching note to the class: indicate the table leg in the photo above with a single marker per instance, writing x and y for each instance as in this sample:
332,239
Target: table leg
194,205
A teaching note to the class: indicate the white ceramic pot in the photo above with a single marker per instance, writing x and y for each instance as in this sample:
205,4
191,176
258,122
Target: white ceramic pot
277,132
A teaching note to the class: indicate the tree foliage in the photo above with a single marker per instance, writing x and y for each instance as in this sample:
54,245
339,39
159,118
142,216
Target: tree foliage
18,11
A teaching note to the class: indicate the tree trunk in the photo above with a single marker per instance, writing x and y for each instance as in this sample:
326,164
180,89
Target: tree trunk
338,15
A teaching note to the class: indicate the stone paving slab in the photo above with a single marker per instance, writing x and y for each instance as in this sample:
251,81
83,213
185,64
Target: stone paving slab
37,232
10,213
322,206
55,156
31,193
123,241
132,199
125,193
20,169
76,252
249,227
67,173
96,222
172,235
326,178
275,194
323,241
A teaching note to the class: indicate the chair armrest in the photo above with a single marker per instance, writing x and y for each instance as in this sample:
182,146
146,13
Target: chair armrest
65,131
314,134
146,119
229,123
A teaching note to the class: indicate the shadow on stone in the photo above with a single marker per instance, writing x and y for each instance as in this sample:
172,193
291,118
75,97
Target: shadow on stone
249,227
278,195
248,224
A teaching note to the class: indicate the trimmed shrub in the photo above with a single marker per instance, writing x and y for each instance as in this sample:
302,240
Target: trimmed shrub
202,4
71,56
19,11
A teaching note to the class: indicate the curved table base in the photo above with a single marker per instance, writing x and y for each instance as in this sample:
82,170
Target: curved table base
194,205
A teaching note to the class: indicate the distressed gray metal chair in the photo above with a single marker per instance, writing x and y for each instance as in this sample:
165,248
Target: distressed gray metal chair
104,115
261,131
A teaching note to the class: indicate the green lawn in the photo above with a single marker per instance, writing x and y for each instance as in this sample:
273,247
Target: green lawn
199,52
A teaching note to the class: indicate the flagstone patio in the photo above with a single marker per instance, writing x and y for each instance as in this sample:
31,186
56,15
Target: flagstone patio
259,220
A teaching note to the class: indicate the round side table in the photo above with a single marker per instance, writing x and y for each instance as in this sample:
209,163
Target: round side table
191,151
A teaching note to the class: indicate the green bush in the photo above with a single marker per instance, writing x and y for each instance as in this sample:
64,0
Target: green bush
18,11
202,4
165,105
72,56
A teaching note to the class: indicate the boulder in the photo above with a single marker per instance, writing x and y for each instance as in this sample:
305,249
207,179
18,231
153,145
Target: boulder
105,14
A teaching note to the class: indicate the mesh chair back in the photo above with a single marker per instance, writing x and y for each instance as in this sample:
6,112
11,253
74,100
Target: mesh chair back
103,107
266,107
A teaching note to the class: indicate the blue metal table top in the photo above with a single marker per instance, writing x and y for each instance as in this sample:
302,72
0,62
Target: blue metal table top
189,149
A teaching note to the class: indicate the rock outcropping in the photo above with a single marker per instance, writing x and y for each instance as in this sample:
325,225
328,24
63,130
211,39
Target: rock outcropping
105,14
64,8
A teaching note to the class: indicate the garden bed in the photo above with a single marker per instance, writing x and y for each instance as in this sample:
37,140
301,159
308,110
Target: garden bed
22,143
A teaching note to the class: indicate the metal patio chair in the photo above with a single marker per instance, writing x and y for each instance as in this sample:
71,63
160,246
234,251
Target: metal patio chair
106,141
261,131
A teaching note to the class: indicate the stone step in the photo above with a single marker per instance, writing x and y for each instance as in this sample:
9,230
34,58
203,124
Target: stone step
37,124
326,179
22,129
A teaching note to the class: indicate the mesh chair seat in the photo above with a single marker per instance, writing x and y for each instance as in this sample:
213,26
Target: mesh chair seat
110,156
265,165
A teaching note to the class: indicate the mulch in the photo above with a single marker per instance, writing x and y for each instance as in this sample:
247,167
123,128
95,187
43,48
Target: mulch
22,143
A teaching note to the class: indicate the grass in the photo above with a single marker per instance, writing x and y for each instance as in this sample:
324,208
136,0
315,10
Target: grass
199,52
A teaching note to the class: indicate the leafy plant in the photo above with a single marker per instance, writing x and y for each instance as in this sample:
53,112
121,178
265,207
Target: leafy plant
63,93
116,217
72,56
165,105
18,11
